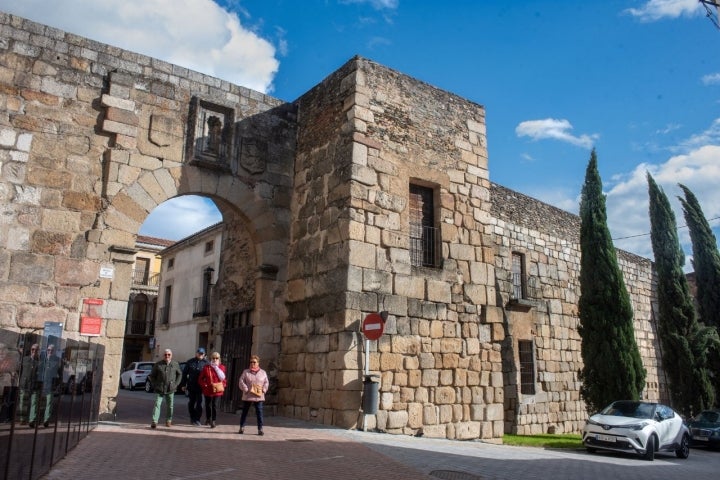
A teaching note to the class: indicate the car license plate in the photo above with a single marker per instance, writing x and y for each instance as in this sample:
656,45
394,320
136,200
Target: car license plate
700,438
604,438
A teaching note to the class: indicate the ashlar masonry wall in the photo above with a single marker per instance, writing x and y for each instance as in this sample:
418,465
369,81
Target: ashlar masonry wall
366,133
548,240
92,139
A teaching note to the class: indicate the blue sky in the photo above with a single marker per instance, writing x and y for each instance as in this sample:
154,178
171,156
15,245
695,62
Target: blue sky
638,80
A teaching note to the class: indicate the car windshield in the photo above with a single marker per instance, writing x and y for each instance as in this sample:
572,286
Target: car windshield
709,417
630,409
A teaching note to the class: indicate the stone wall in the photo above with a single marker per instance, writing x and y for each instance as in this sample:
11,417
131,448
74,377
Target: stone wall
369,132
549,240
92,139
316,197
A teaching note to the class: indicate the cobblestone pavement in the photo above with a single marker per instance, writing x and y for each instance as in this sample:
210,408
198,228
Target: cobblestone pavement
291,449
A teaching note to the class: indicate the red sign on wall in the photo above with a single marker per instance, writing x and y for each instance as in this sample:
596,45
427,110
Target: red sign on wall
91,317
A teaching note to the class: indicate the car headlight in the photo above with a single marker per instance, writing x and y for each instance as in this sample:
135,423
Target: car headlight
636,426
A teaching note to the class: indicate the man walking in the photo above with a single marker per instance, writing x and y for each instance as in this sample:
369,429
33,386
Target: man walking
193,368
164,377
29,385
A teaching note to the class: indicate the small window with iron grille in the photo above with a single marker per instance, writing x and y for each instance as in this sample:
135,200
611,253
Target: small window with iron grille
526,352
424,235
518,276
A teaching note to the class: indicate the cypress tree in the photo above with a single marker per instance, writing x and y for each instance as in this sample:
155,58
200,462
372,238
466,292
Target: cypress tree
612,367
685,345
706,262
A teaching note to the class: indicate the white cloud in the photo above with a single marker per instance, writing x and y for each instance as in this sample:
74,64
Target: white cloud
668,129
196,34
654,10
711,136
627,199
180,217
376,4
711,79
551,128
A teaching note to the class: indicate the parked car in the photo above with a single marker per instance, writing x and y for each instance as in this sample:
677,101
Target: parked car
705,429
637,427
135,375
149,389
75,375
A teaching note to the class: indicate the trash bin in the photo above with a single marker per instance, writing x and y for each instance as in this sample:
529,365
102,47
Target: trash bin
371,386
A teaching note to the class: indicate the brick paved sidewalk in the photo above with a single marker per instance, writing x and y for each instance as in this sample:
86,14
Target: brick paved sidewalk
133,451
290,449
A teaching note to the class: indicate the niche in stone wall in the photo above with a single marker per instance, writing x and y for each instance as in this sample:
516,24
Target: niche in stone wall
209,134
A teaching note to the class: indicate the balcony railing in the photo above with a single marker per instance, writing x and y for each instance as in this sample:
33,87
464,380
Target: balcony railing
145,278
423,246
523,288
201,306
141,327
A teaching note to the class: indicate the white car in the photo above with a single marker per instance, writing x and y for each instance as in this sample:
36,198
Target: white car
637,427
135,375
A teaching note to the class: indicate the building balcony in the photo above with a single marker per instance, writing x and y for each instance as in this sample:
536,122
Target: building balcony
524,291
141,328
143,278
201,306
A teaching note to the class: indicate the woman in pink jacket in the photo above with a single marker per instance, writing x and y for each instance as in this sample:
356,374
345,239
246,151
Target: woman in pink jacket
253,383
212,373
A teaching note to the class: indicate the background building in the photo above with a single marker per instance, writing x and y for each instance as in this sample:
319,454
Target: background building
189,272
142,304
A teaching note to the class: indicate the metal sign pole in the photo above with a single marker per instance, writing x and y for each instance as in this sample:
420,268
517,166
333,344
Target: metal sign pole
367,372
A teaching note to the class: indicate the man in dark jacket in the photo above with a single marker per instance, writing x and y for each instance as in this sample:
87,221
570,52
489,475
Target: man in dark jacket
192,370
49,375
164,377
28,384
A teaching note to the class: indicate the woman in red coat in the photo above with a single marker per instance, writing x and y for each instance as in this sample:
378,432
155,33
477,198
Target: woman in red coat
210,378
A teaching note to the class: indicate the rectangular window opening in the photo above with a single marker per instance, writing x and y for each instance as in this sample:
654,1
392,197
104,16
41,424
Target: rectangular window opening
526,354
424,235
518,277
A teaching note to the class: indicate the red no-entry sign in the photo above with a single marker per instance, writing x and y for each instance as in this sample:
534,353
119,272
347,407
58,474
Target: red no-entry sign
373,326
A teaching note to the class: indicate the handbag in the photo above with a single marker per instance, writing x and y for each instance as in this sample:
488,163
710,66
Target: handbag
218,387
256,389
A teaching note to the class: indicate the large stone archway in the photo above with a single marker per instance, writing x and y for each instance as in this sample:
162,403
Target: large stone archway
93,140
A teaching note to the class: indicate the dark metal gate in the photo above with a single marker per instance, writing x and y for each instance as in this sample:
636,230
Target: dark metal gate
236,351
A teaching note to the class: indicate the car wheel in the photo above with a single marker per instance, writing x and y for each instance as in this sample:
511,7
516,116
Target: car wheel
148,388
684,450
650,449
122,387
132,387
